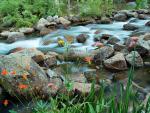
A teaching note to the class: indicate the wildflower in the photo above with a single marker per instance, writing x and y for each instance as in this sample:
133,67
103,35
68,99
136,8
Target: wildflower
23,86
98,44
5,102
24,76
88,60
4,72
60,42
13,73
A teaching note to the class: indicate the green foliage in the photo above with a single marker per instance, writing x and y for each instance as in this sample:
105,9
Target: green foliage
27,12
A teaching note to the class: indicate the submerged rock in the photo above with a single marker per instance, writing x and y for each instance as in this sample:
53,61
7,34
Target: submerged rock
148,23
116,63
134,59
130,27
82,38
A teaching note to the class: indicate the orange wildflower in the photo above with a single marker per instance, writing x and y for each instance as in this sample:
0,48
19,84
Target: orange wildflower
23,86
5,102
88,60
13,72
4,72
24,76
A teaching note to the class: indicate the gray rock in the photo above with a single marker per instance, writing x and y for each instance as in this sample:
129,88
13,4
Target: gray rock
5,34
134,59
142,16
42,23
15,36
26,30
105,20
84,88
104,53
116,63
132,14
130,27
64,21
49,19
112,40
120,17
142,47
119,46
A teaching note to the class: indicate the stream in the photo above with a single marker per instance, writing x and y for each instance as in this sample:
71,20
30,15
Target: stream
115,29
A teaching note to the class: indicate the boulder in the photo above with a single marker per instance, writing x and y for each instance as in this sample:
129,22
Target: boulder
49,19
148,23
119,46
134,59
103,53
23,77
5,34
82,38
120,17
64,21
42,23
105,20
26,30
130,27
15,36
116,63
